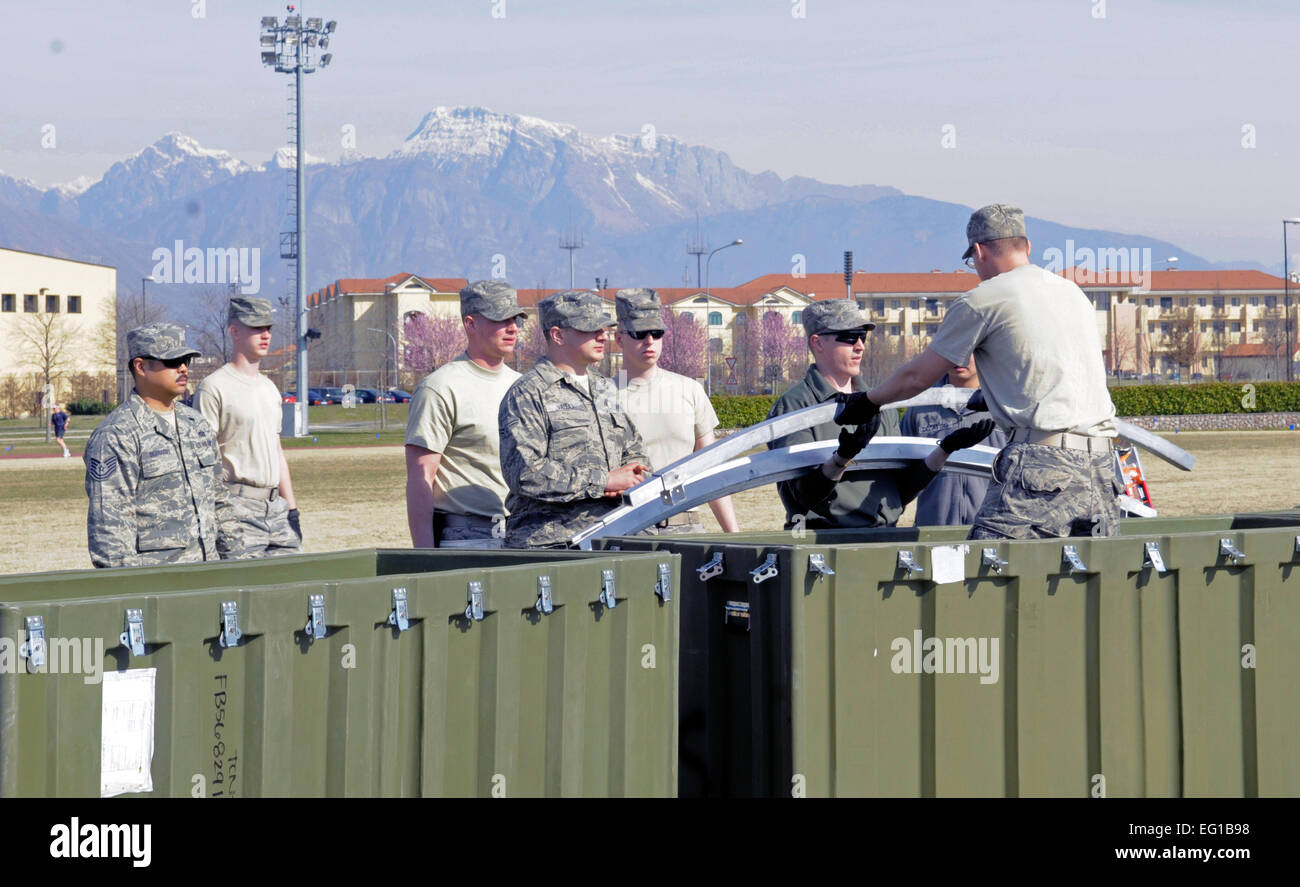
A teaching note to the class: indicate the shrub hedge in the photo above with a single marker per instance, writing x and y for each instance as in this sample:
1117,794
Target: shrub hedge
90,407
739,411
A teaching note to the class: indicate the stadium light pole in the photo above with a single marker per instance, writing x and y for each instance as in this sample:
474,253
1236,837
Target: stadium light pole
708,326
1286,301
287,48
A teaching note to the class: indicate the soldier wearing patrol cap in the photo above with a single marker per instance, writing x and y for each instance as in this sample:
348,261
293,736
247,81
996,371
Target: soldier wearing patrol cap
153,473
1042,379
672,413
567,449
455,492
829,496
243,407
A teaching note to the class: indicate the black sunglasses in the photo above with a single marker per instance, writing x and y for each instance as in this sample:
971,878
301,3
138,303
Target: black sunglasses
175,363
641,334
851,338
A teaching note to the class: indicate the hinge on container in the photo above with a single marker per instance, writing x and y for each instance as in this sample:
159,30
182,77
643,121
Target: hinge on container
664,587
1230,551
817,563
400,618
315,627
474,610
1070,556
544,602
607,589
989,558
766,570
230,633
133,637
908,563
1152,556
737,611
33,650
714,567
672,496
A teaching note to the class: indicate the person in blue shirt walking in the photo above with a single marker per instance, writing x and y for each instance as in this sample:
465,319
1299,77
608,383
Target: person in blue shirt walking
950,498
59,419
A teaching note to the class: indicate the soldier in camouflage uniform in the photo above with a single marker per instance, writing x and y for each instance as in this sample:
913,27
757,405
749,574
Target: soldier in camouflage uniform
567,449
153,472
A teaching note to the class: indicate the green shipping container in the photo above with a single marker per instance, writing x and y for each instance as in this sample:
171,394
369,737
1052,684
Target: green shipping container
825,666
447,683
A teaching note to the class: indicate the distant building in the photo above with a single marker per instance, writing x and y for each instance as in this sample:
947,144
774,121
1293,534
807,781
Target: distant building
56,315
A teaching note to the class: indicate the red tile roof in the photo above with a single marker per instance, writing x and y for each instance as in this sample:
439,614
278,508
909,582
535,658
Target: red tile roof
1178,281
1254,350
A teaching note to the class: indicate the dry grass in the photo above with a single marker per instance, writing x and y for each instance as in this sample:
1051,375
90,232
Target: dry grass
355,498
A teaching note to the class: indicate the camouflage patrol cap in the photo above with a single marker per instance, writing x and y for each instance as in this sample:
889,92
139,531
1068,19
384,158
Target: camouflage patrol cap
580,310
161,341
494,299
833,316
250,311
639,309
993,222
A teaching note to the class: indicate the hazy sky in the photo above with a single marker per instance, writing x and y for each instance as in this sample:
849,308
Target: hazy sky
1132,115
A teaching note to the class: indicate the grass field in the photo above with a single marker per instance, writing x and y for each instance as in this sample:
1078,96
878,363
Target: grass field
355,497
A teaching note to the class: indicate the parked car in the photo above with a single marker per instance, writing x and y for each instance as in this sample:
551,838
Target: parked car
334,395
367,395
317,397
288,397
399,396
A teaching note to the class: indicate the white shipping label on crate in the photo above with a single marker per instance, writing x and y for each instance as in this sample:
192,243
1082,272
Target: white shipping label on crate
948,563
126,740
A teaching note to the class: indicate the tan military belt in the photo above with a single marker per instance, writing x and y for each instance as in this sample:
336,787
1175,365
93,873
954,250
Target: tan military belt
685,519
248,492
1064,439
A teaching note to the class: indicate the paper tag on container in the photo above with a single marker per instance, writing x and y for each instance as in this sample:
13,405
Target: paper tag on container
948,563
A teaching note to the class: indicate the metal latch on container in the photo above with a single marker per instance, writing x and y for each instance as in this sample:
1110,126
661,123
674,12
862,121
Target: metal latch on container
230,633
1230,551
908,563
1152,557
544,602
1070,556
133,637
736,611
315,627
766,570
817,564
714,567
474,610
989,558
400,618
33,649
664,587
607,589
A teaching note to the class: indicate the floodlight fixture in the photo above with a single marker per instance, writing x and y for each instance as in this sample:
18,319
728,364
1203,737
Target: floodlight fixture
310,39
270,21
313,24
268,58
324,42
325,59
293,21
329,27
268,39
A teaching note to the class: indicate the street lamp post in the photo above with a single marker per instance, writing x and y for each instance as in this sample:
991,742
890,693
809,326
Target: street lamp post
708,316
288,48
383,410
144,305
1286,301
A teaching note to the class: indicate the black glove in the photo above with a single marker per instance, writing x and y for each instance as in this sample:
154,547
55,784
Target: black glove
853,440
855,409
966,437
977,404
295,523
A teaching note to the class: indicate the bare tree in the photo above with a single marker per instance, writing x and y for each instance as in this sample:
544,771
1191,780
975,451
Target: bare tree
42,342
210,330
1183,344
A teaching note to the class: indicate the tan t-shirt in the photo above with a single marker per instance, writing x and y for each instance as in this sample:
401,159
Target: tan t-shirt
1034,336
671,412
454,412
245,411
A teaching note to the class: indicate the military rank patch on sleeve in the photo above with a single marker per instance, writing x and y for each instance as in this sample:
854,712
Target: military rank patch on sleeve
102,469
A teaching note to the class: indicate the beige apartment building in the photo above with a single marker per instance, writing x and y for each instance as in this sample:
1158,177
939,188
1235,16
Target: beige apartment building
56,320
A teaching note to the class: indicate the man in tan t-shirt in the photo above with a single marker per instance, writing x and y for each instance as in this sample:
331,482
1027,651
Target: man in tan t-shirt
672,412
455,492
243,406
1042,378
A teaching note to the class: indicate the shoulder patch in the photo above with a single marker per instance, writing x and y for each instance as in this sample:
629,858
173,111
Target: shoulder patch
101,469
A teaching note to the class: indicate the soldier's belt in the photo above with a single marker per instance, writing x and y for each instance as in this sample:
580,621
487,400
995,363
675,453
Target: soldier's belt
248,492
1064,439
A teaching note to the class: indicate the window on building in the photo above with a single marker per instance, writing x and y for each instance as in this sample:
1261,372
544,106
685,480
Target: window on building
1254,301
1167,303
895,330
1151,327
1218,327
1151,303
1164,329
1236,326
1182,303
916,304
1205,327
916,329
796,317
1200,302
1254,327
74,304
1236,301
7,302
51,304
932,306
878,306
688,316
29,304
1218,303
895,304
1270,301
715,318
